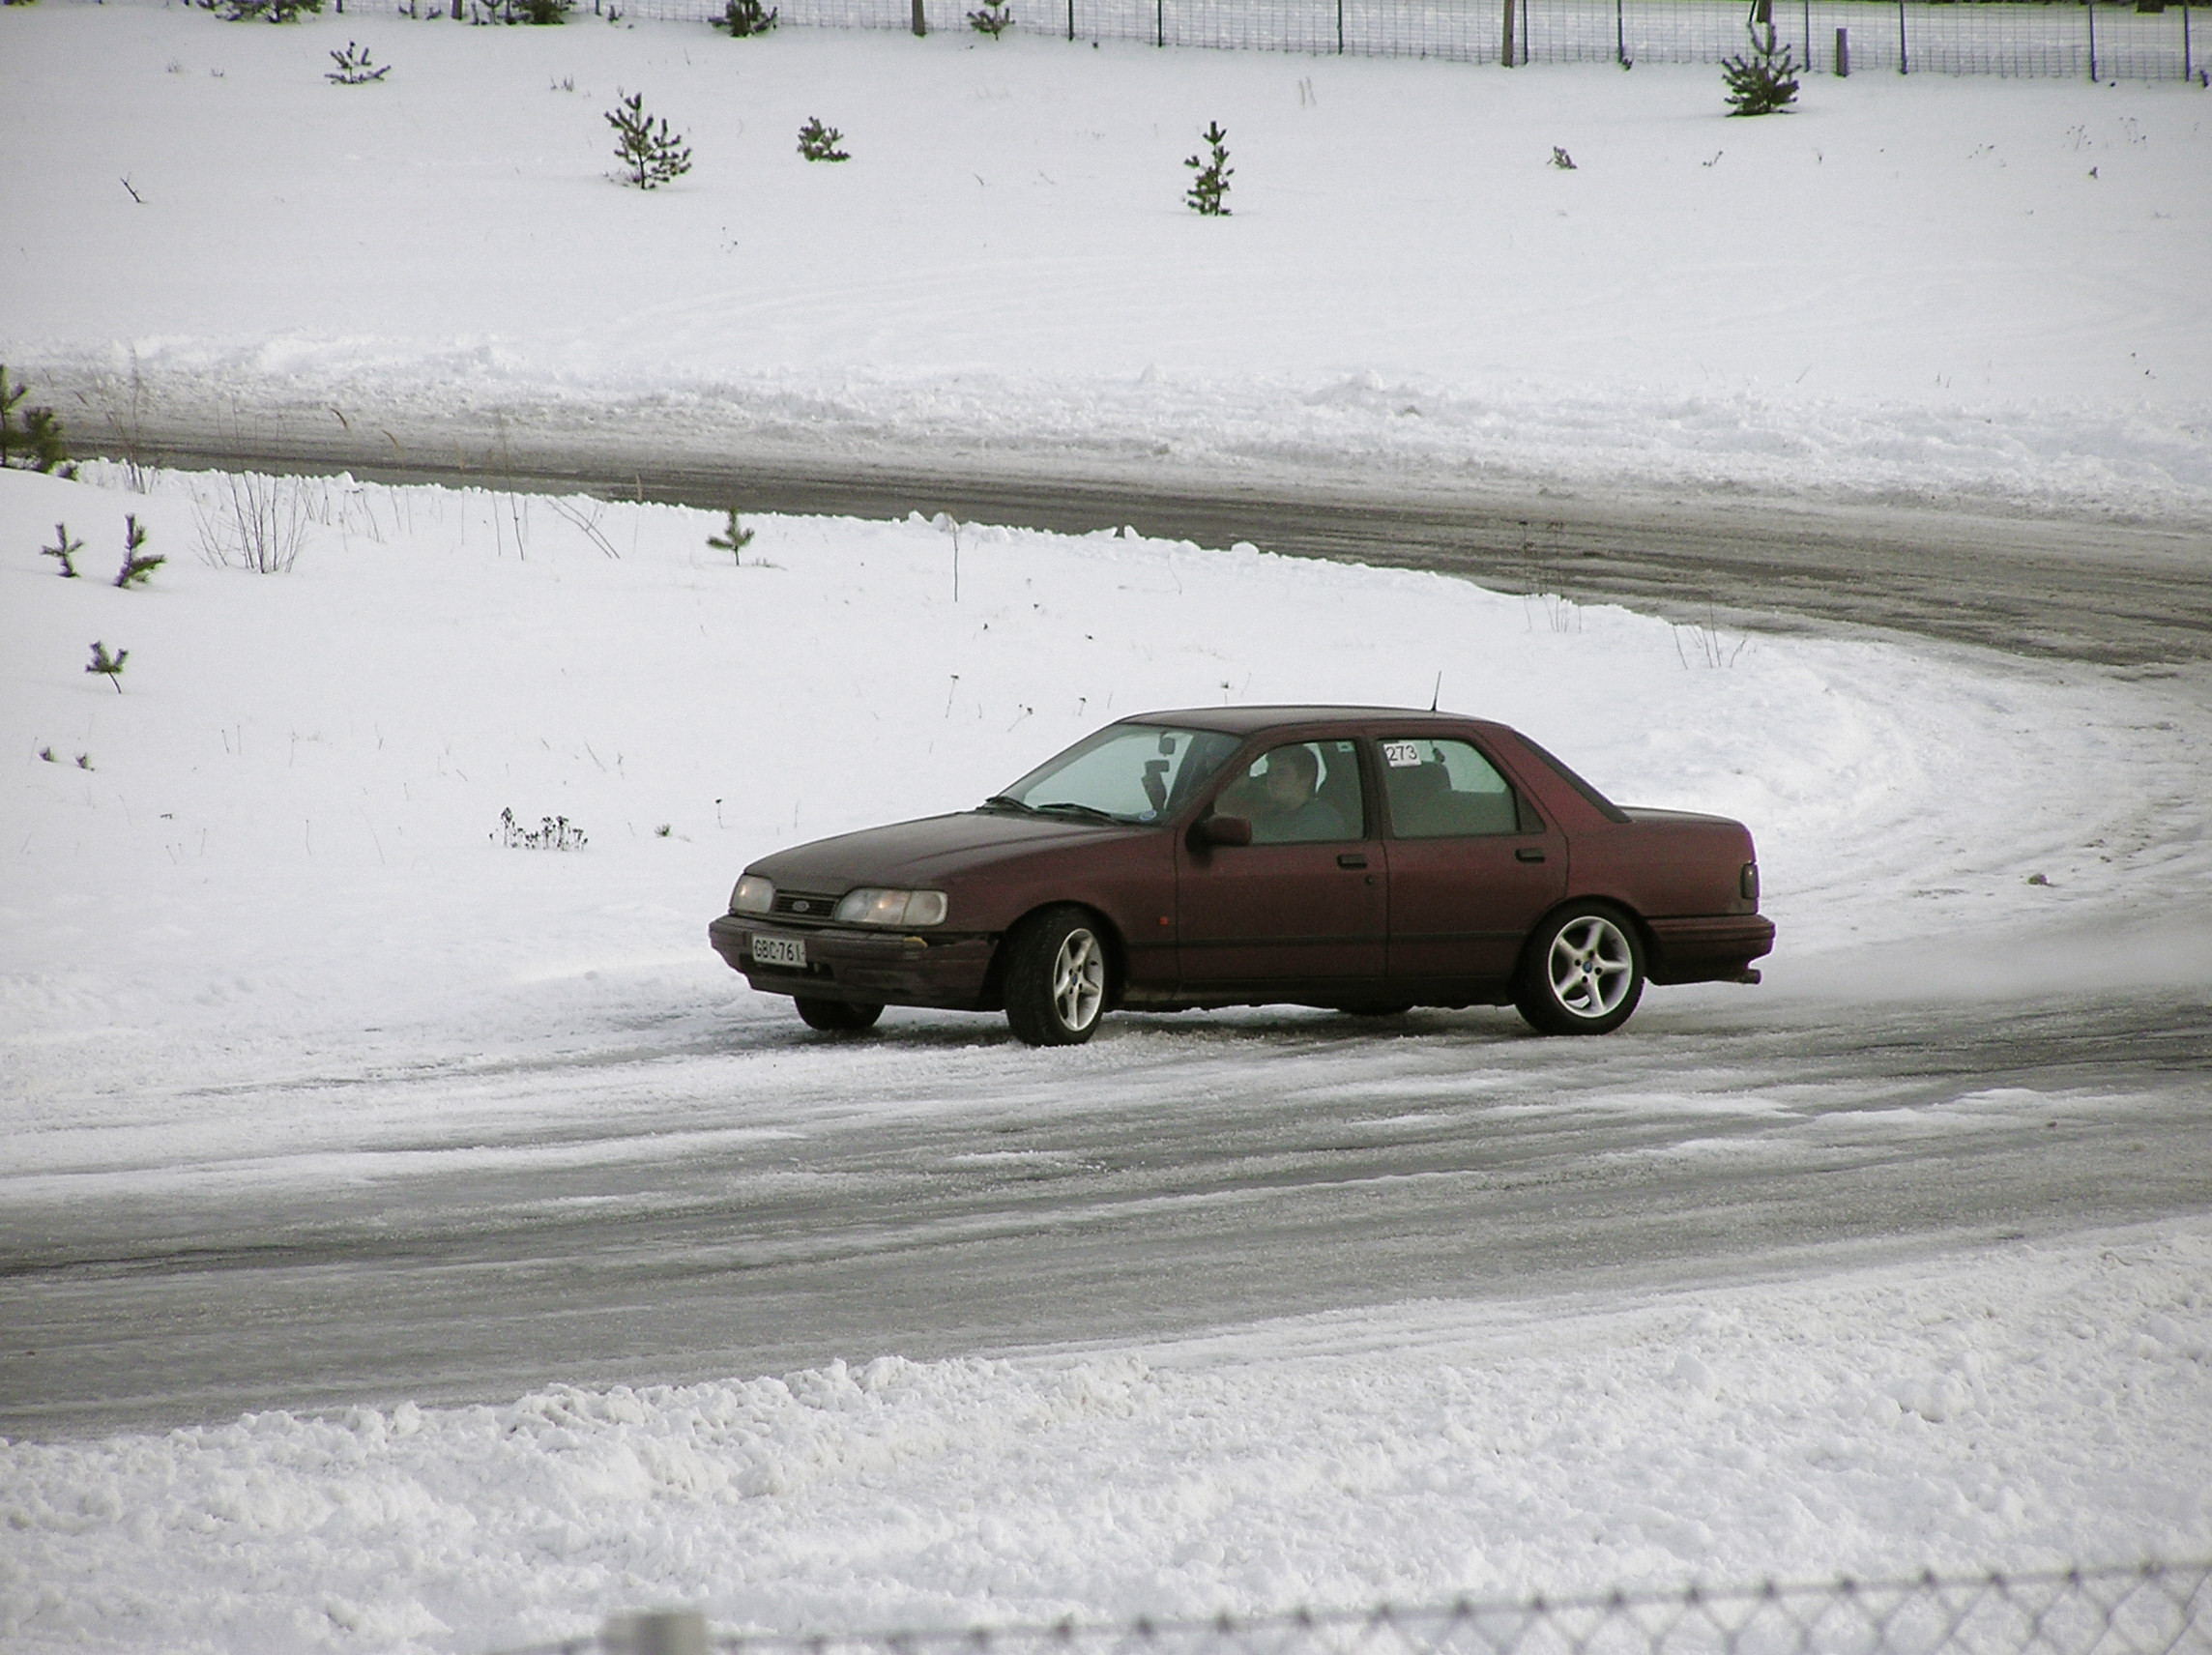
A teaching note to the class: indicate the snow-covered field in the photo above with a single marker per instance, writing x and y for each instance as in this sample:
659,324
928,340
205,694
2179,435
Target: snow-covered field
282,820
1913,288
267,856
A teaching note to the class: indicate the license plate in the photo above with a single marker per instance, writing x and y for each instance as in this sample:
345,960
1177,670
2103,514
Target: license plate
779,951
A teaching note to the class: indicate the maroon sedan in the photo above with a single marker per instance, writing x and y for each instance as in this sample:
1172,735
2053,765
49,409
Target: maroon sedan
1357,858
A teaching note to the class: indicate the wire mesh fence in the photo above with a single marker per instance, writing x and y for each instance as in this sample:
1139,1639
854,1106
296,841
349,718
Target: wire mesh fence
2107,39
2155,1609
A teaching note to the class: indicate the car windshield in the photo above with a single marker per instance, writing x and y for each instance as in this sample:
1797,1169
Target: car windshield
1127,773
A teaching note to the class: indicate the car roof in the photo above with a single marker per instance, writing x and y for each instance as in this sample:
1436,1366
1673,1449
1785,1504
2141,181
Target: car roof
1246,720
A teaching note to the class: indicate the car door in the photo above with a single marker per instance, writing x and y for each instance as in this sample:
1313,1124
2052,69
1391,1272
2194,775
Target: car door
1305,902
1472,867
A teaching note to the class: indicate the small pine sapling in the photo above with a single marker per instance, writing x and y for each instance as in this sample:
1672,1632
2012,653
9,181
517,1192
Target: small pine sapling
65,549
817,142
47,753
1206,190
33,443
650,153
84,760
993,19
353,66
1564,162
742,18
136,568
733,539
1762,81
109,667
270,11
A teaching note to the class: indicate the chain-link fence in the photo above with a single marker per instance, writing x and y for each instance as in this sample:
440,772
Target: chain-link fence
2156,1609
2107,39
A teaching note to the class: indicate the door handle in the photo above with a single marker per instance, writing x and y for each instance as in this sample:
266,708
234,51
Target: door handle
1352,859
1527,853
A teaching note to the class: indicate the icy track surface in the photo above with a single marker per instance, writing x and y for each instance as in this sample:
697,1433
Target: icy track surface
1913,288
317,1098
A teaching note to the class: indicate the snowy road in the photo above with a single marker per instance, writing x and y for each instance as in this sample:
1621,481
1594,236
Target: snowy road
694,1210
2109,591
645,1177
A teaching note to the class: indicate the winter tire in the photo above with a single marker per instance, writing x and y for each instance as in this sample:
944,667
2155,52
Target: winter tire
837,1016
1056,978
1583,974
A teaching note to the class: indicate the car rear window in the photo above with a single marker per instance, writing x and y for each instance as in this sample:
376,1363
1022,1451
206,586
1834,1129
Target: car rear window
1596,801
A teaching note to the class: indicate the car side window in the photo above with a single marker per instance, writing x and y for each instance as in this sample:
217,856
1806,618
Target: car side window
1444,790
1304,793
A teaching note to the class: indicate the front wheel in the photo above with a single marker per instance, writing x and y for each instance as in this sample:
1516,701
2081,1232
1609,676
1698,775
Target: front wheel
1583,974
837,1016
1056,978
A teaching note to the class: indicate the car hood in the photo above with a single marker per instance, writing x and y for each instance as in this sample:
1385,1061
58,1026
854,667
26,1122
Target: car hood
924,853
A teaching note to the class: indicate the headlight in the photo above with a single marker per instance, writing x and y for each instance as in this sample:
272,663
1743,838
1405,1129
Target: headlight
753,895
871,907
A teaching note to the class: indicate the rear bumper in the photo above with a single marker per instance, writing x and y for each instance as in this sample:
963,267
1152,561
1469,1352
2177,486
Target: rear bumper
1708,948
867,966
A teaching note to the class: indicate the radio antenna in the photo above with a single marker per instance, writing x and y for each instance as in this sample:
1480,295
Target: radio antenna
1438,693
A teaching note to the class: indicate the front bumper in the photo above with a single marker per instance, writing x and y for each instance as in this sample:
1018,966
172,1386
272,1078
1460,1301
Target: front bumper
874,967
1708,948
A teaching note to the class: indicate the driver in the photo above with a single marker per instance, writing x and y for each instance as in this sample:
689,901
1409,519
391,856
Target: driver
1283,802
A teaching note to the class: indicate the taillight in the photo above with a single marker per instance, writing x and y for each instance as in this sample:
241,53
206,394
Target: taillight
1747,883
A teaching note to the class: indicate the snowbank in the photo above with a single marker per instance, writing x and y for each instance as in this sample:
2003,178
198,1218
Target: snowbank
2035,1409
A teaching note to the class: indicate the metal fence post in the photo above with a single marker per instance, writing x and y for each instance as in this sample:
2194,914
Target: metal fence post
1071,20
1504,50
2089,9
1842,52
1904,63
1620,33
1808,37
1339,28
1159,21
1524,31
2188,70
657,1632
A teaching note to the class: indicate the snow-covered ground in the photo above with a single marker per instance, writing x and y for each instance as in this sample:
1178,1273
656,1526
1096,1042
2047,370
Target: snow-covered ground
267,858
1913,288
2040,1405
282,820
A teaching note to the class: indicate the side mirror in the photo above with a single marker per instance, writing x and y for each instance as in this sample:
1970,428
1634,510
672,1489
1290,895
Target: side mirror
1221,830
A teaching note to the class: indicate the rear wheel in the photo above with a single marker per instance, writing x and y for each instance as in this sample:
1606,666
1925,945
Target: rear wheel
1056,978
1583,974
837,1016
